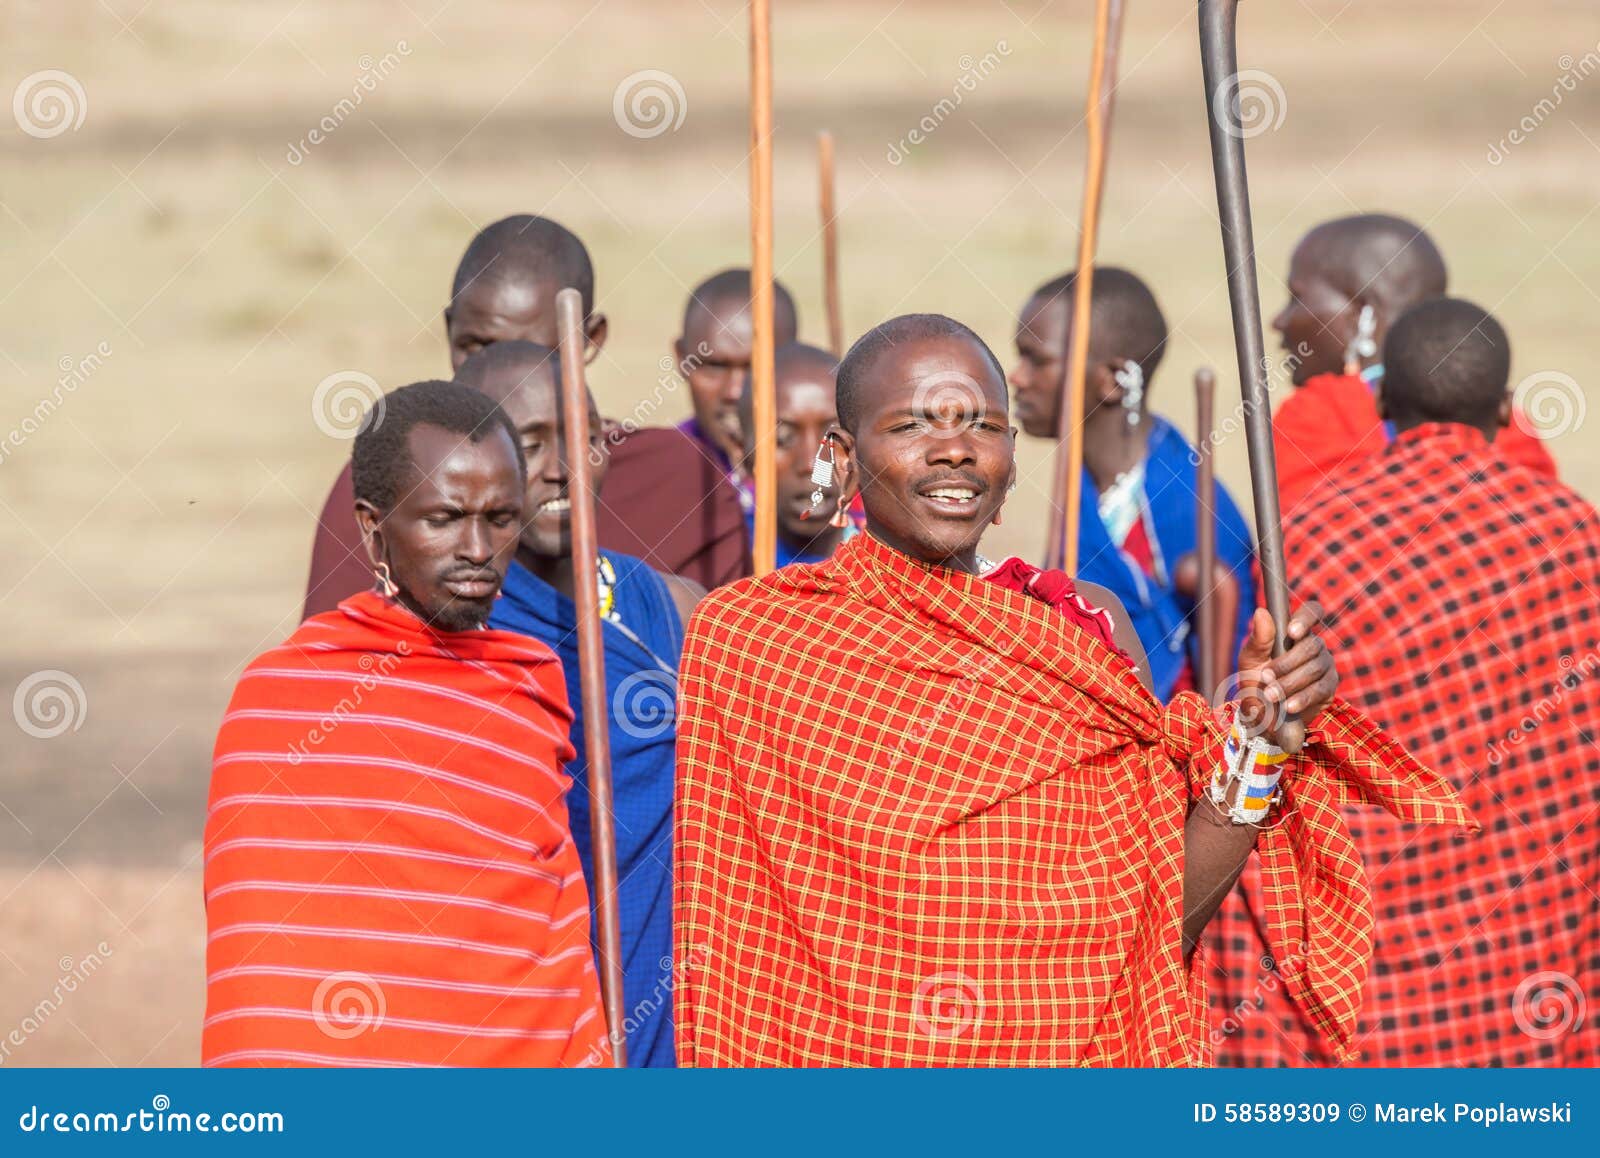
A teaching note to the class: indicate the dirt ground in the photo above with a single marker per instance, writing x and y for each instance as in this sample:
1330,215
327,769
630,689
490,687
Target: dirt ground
177,284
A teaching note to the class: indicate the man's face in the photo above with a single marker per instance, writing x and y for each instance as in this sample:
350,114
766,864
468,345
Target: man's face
805,412
494,310
533,403
932,452
1318,321
714,357
1036,379
453,529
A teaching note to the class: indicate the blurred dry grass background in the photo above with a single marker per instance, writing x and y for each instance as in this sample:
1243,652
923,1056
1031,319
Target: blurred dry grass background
154,531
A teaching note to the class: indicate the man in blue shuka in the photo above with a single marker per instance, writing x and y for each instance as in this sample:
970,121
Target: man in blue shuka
643,613
1138,520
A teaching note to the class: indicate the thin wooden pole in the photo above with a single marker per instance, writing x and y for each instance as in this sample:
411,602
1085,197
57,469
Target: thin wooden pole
765,554
592,663
1219,58
1205,603
830,245
1066,496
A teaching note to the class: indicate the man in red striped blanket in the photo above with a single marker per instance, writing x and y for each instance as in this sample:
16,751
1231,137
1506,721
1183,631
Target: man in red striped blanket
390,876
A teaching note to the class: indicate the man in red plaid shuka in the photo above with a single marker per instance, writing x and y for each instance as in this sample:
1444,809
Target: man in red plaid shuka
928,814
1464,601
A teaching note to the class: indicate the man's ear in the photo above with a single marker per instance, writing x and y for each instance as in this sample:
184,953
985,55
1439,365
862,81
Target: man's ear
595,329
449,312
845,476
369,519
1100,382
679,356
1379,401
1503,416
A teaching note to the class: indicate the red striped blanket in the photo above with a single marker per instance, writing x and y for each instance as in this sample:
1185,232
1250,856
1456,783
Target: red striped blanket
390,877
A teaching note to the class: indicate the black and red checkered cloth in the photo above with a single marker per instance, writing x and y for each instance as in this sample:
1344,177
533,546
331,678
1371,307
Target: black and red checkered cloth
1463,594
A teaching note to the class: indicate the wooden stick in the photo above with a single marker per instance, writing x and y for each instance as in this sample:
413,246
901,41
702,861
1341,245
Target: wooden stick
765,554
1205,604
1219,58
592,663
1066,497
830,245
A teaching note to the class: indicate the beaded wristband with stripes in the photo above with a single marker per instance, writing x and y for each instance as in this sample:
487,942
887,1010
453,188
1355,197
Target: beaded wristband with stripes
1256,767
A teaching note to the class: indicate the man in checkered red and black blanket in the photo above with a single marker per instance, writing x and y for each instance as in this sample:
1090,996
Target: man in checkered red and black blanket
1462,592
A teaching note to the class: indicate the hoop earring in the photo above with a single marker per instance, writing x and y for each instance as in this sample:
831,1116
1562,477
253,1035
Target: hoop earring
1363,344
385,582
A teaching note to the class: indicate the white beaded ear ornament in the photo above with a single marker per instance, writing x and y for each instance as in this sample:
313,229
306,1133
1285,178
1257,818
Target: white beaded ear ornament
1364,343
821,476
1131,379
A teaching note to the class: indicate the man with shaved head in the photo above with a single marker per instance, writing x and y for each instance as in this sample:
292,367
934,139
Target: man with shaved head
714,351
803,398
1461,595
928,814
668,505
1349,280
1139,520
642,618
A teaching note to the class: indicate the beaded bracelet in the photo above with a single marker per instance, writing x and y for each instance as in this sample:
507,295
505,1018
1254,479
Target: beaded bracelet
1255,766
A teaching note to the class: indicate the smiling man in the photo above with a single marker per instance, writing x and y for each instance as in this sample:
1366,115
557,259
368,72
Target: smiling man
390,875
642,627
927,812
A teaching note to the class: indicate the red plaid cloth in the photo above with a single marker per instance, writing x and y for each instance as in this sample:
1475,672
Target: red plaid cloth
1332,423
925,820
1464,596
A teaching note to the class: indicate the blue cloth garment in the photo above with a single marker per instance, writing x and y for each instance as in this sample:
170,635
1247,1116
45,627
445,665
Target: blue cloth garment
643,634
1160,615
